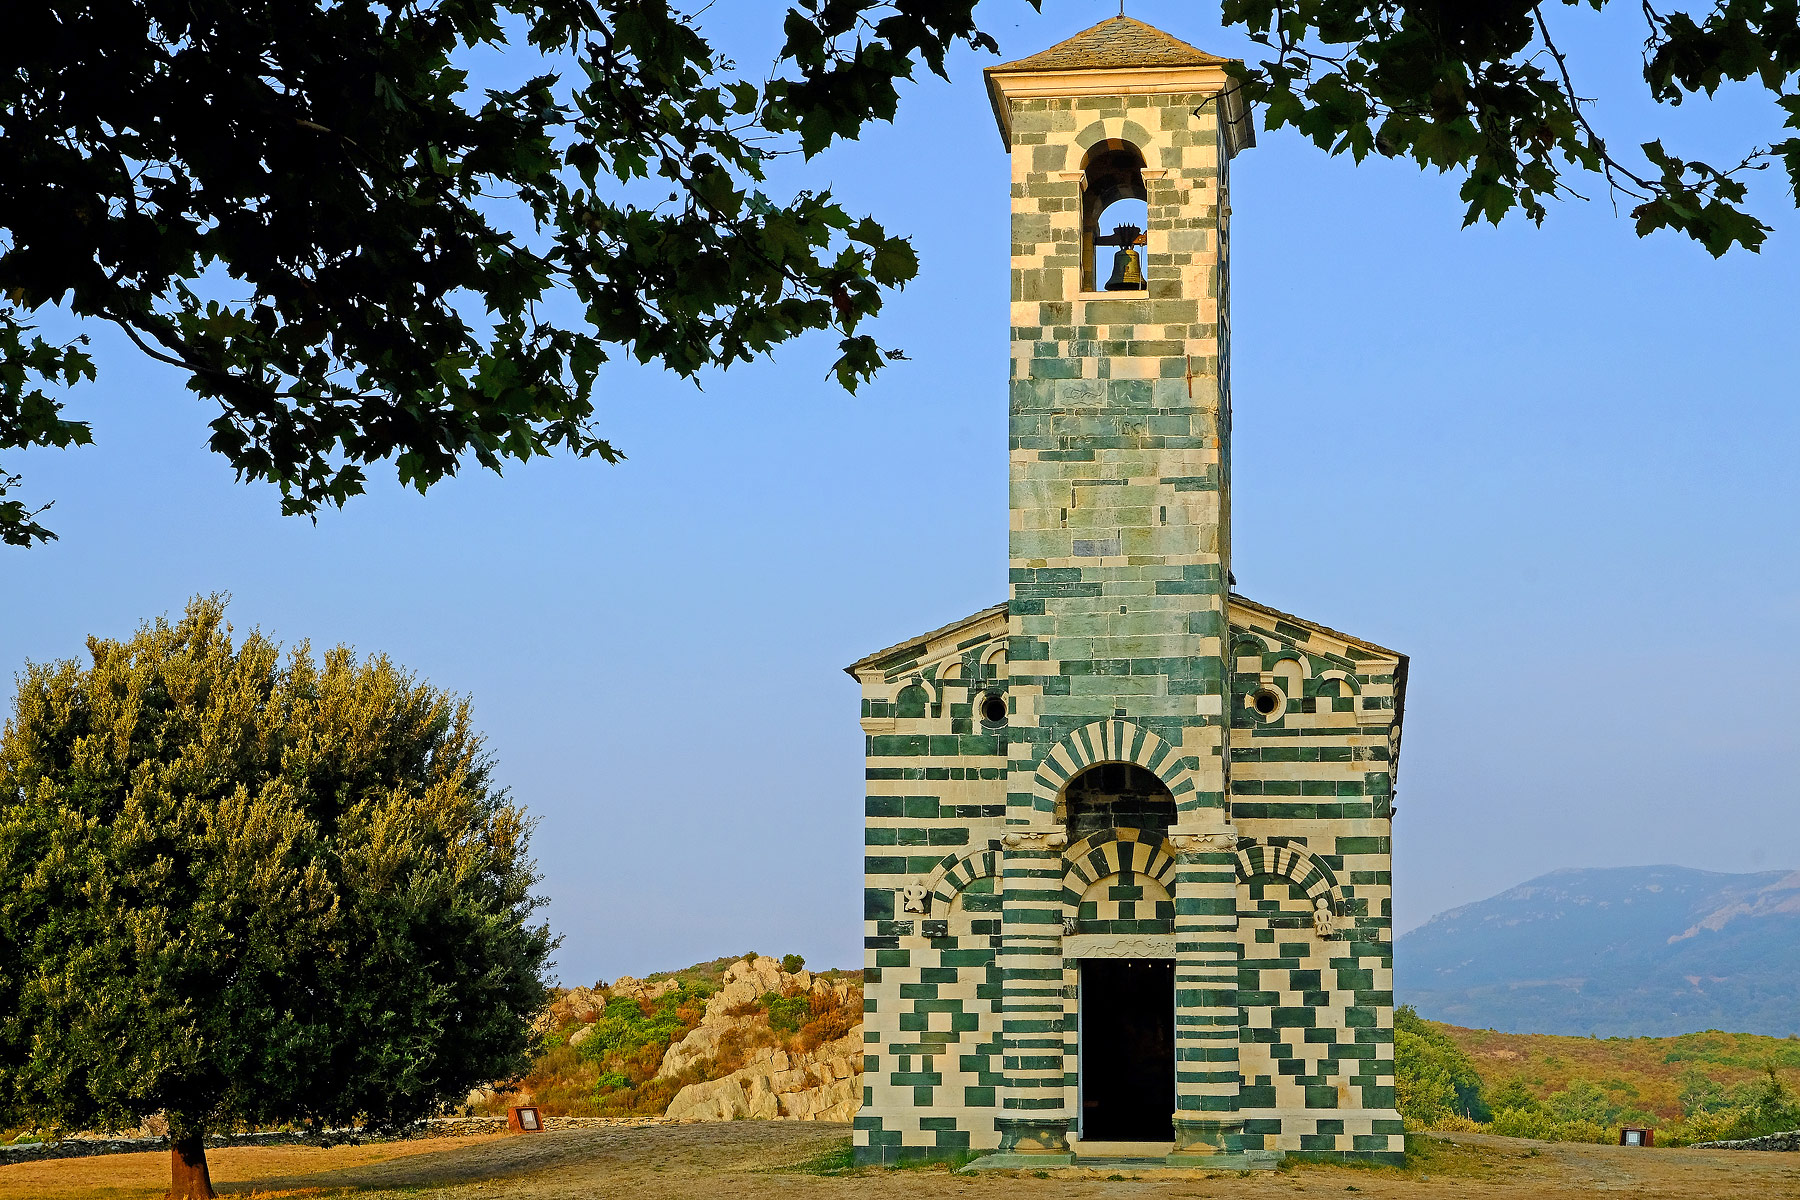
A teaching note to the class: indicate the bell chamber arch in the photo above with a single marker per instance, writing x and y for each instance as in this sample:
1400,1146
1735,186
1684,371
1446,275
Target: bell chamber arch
1113,171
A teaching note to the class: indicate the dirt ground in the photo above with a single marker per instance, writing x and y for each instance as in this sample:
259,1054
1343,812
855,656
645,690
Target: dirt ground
754,1160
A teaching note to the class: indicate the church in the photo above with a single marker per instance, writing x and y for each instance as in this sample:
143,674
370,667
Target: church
1127,833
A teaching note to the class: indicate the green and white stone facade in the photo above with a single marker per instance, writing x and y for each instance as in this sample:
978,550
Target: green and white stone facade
994,866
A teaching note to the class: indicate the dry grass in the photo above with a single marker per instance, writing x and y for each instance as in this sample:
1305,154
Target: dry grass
756,1160
236,1170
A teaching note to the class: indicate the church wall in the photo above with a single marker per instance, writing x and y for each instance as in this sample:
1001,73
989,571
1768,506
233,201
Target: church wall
1316,1048
935,795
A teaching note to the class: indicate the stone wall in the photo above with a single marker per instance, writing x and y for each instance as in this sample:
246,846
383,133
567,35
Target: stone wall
1770,1141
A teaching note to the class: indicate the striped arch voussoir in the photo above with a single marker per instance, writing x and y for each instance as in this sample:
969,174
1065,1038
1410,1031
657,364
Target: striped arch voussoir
959,873
1103,742
1110,852
1293,864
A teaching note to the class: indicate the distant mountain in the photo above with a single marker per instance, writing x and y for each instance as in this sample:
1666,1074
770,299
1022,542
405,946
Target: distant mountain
1615,952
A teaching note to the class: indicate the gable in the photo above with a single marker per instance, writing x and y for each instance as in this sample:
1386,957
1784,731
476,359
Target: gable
1271,625
924,653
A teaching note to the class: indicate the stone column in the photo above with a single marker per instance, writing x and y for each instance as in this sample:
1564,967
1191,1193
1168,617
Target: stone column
1206,993
1034,1100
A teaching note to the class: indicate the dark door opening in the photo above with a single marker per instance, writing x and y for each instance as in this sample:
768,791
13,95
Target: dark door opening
1127,1050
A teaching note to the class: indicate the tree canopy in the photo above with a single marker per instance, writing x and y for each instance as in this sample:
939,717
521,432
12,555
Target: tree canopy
1486,89
307,210
238,887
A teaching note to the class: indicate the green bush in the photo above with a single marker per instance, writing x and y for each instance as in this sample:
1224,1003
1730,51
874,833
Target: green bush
1583,1102
629,1039
1514,1094
786,1013
1523,1123
1433,1078
625,1027
793,964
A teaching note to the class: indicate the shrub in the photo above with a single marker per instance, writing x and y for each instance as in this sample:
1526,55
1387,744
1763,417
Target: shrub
1520,1123
830,1019
787,1013
1583,1102
793,964
1433,1078
1514,1094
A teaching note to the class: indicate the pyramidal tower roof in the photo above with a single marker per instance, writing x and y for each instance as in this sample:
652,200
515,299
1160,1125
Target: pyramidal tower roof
1120,55
1114,42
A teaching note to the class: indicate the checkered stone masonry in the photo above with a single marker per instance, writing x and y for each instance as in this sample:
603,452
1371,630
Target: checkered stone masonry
1121,643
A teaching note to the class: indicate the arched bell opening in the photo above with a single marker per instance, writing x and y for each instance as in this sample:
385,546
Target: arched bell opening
1117,795
1114,216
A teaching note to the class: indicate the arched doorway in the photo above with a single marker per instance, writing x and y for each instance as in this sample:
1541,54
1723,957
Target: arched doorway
1126,1039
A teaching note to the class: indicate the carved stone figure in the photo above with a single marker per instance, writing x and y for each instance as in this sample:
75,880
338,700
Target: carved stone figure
1324,922
915,897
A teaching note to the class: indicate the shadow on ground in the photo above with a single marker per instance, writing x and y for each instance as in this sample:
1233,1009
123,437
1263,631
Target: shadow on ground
618,1153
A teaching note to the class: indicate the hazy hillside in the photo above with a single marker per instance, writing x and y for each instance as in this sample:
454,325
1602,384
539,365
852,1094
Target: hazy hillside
1623,952
1648,1076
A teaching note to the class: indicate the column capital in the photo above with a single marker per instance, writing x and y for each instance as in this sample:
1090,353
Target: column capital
1035,837
1204,841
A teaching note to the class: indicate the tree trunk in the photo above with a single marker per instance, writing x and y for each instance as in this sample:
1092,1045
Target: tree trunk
188,1177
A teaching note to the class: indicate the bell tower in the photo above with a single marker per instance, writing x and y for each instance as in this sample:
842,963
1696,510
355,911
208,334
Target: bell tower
1126,843
1120,535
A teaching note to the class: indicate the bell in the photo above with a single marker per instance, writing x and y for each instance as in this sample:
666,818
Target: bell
1127,272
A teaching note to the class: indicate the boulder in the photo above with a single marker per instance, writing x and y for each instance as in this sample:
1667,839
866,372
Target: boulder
776,1084
702,1044
578,1004
639,989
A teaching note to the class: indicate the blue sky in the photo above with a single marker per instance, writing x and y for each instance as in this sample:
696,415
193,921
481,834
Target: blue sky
1554,465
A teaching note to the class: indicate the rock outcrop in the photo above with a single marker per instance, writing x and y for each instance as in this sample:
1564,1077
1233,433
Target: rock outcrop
825,1085
773,1083
584,1004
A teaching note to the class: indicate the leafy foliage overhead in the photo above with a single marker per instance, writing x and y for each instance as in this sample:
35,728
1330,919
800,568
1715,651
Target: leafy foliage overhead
1486,89
305,208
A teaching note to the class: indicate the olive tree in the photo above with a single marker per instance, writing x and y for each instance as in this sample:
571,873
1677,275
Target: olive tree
239,887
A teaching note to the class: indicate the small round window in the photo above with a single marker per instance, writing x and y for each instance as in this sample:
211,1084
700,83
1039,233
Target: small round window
1265,700
992,709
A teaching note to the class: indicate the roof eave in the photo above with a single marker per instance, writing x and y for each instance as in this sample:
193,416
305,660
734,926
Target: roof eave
1007,81
922,640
